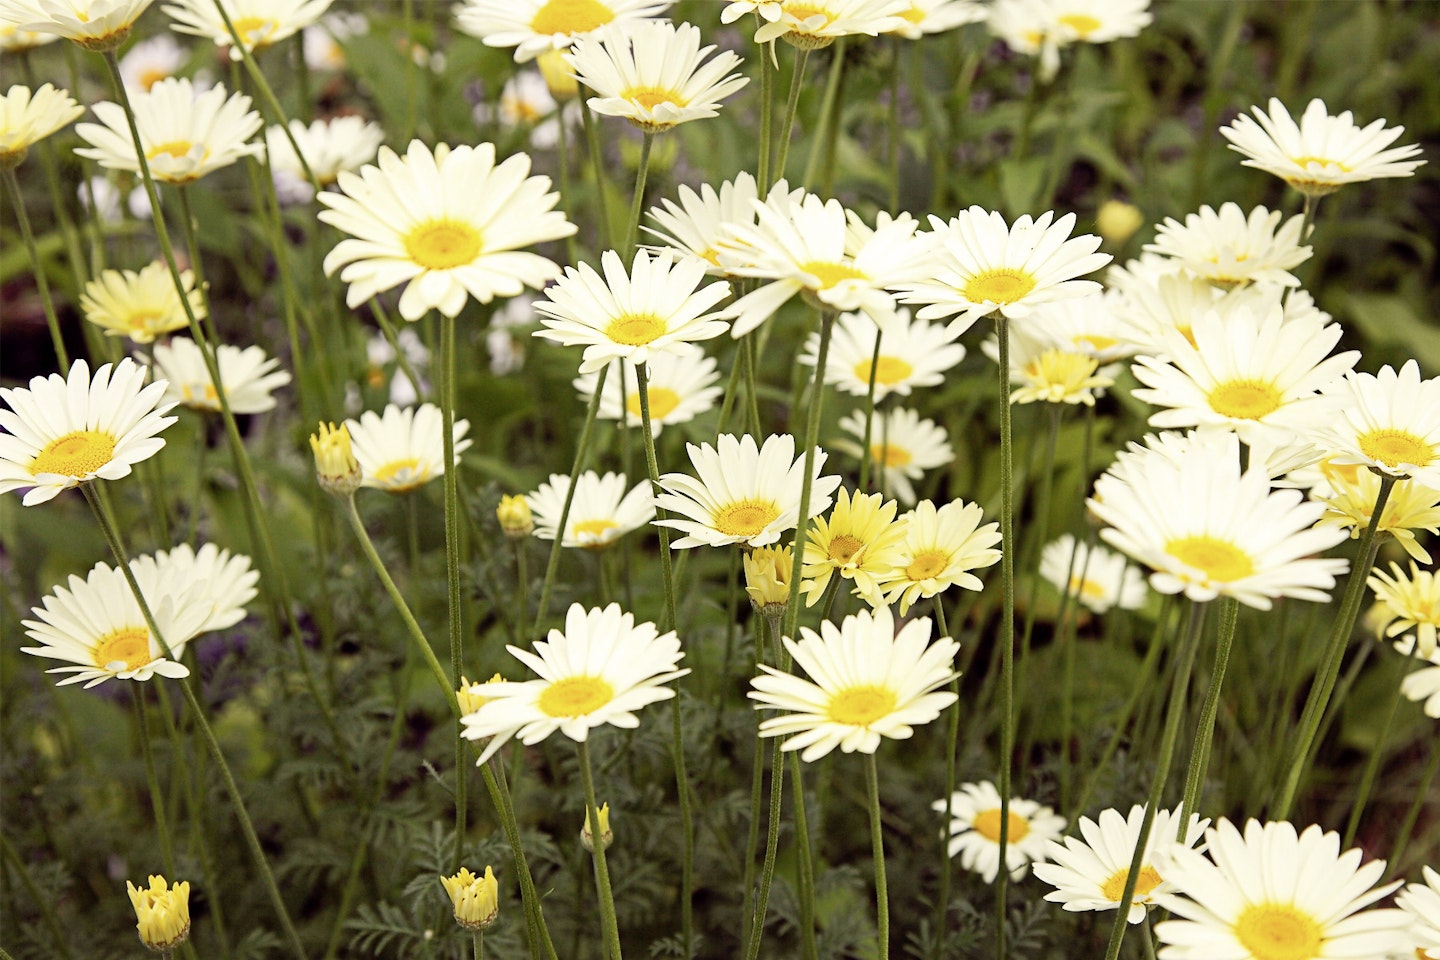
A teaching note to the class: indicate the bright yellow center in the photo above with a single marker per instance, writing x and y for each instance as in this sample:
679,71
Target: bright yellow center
651,97
1081,23
745,518
395,468
927,565
987,824
1096,341
1114,888
1061,372
148,78
575,696
844,547
175,148
636,329
1278,931
595,528
1323,161
663,402
571,16
1245,399
830,274
143,321
130,645
77,454
207,398
1218,559
890,455
1394,447
861,706
255,30
1091,589
443,244
914,14
889,371
804,11
999,286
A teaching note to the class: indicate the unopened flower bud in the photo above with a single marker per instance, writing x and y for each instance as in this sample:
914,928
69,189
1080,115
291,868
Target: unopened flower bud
607,836
472,695
476,899
335,464
162,913
1117,221
558,77
514,516
767,577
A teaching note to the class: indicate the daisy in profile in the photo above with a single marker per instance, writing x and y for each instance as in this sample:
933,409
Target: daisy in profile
913,354
1423,685
93,24
868,682
1321,153
940,549
985,265
1422,902
249,377
659,306
701,220
1388,422
1091,874
601,513
1041,28
1045,368
860,541
937,16
744,493
1230,249
449,224
681,386
1096,577
28,117
184,134
260,23
1411,603
63,431
809,25
140,305
534,27
403,449
330,147
151,60
1206,529
975,830
15,40
1349,493
600,670
225,581
902,445
1275,893
653,73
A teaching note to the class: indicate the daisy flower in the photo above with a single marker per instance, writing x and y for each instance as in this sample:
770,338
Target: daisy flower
1091,874
15,40
811,24
449,224
249,377
403,449
1230,249
151,60
681,386
185,135
701,220
601,513
860,541
1096,577
162,913
867,682
652,73
600,670
260,23
223,583
975,830
940,549
1388,422
534,27
1422,902
767,578
913,353
322,41
1208,530
63,431
331,147
27,118
93,24
1322,153
1410,603
1050,369
659,306
936,16
902,444
1275,893
1349,493
1090,325
985,265
744,493
526,103
1043,27
140,305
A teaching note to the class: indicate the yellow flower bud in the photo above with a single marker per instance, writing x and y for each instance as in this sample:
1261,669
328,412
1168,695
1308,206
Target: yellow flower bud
476,899
162,913
1117,221
335,465
472,695
607,836
767,577
558,77
514,516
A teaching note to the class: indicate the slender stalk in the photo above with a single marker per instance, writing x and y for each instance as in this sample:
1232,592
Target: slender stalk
392,337
1372,767
767,113
17,200
787,124
877,851
812,437
1423,798
772,844
1205,729
805,861
452,562
952,740
597,167
866,454
602,872
494,776
637,203
757,773
823,143
1038,535
1007,626
1068,619
157,801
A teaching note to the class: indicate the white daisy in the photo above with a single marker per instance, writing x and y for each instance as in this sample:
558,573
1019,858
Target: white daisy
184,134
860,541
1388,422
449,224
1091,874
223,583
329,146
936,16
151,60
867,681
913,353
249,377
601,513
975,830
526,103
1422,902
811,24
599,671
63,431
1046,366
1230,249
1322,153
140,305
1275,893
534,27
15,40
260,23
93,24
1349,493
902,444
1043,27
940,548
701,221
27,118
744,494
403,449
322,42
681,386
1410,603
1096,577
659,306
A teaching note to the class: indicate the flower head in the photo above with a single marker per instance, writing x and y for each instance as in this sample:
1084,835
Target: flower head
767,577
975,830
941,547
471,696
1096,577
260,23
1230,249
162,913
336,468
1422,902
151,60
1410,603
913,353
860,541
701,221
681,385
330,147
27,118
93,24
588,832
937,16
601,511
140,305
1421,686
404,449
811,24
1349,493
248,376
902,444
1389,422
476,899
515,517
535,27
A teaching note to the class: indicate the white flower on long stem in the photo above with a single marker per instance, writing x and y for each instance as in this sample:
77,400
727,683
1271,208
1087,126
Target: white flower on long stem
151,60
937,16
330,147
975,830
140,305
860,541
28,117
940,548
1388,422
404,448
902,444
1096,577
248,376
1230,249
1411,603
811,24
1349,493
534,27
699,223
601,512
260,23
93,24
681,386
913,354
1046,366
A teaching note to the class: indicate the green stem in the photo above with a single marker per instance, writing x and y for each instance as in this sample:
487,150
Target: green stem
797,80
637,203
602,872
823,143
805,858
757,773
592,136
1372,767
42,902
1205,729
1423,798
17,201
1068,619
952,740
452,562
1036,542
772,845
866,455
392,337
767,114
877,851
494,776
157,801
562,165
1007,626
812,437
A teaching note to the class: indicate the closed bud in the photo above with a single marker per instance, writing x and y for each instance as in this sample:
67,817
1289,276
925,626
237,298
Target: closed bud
514,516
162,913
472,695
1116,221
607,836
767,577
558,77
476,899
335,464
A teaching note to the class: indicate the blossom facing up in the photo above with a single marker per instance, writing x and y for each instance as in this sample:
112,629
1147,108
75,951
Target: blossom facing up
27,117
809,25
162,913
404,448
913,354
536,27
260,23
681,385
975,830
601,512
249,377
1230,249
1411,603
902,445
475,899
93,24
1389,422
140,304
1097,578
330,147
858,542
940,549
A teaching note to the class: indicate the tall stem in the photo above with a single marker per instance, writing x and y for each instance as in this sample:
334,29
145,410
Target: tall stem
1007,626
772,845
494,776
805,859
597,168
767,114
452,561
952,740
1423,798
866,455
877,851
822,145
812,437
1205,729
157,802
1372,767
797,80
602,873
17,201
637,203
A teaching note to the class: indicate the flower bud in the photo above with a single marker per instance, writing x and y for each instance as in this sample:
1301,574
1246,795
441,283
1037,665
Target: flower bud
1116,221
767,577
162,913
558,77
472,695
514,516
607,836
476,899
335,465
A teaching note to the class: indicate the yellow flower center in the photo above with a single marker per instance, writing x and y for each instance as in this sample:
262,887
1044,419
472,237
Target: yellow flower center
1323,161
636,329
829,274
889,371
571,16
844,547
663,402
914,14
1114,888
128,645
148,78
1082,24
255,31
143,321
861,706
206,400
1245,399
927,564
1394,447
745,518
804,11
1092,589
987,824
594,528
395,468
1278,931
890,455
1060,373
443,244
999,286
1095,341
651,97
174,148
1218,559
77,454
575,696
